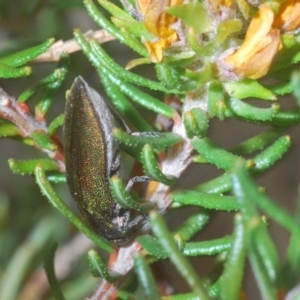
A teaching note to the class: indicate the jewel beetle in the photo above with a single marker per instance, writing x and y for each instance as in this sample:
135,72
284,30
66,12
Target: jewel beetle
92,157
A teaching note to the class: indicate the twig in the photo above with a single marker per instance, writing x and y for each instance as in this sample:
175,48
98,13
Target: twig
70,46
18,114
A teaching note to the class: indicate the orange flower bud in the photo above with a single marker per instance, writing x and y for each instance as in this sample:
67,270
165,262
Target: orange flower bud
155,48
158,22
288,17
254,57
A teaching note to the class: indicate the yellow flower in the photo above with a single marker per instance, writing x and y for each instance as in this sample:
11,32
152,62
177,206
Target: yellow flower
143,5
262,42
217,4
158,22
288,17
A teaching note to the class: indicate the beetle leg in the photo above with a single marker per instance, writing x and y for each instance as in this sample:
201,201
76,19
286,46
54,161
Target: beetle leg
135,179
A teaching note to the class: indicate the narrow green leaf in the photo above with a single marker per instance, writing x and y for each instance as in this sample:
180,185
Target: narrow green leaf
168,75
178,259
208,201
43,140
248,88
216,99
258,142
265,284
152,246
140,97
218,185
152,169
212,247
145,278
24,56
42,84
196,122
291,275
235,263
253,113
98,268
157,140
270,155
193,224
11,72
281,89
286,118
205,74
263,202
8,130
86,48
49,269
124,107
28,166
260,239
215,154
125,199
56,123
115,10
57,178
57,202
134,27
51,89
118,71
99,18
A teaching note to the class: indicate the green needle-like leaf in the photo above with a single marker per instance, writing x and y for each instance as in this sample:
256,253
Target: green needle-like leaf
107,25
133,144
145,278
125,199
12,72
209,201
98,268
152,169
247,88
193,225
55,200
215,154
152,246
22,57
234,266
49,268
43,140
259,240
28,166
212,247
250,112
180,262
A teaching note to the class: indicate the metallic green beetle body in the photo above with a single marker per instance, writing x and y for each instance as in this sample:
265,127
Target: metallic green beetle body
92,157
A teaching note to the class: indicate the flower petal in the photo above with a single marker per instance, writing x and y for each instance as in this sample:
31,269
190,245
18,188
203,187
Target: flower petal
288,17
254,57
258,64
